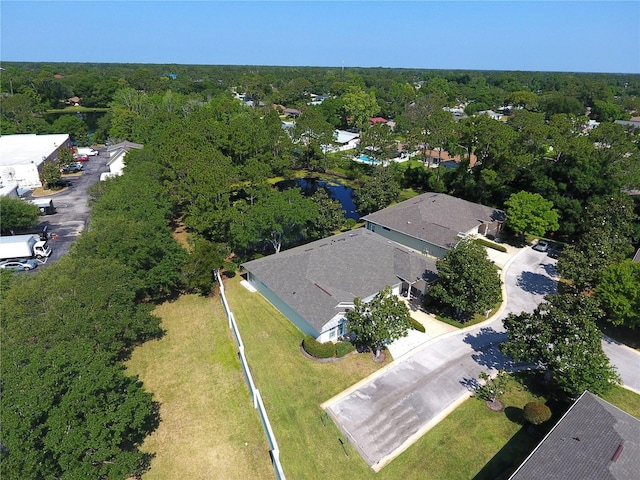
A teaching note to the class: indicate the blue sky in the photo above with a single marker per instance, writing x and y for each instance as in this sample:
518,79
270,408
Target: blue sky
580,36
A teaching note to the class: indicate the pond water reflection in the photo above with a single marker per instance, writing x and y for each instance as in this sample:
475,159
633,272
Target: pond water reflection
335,189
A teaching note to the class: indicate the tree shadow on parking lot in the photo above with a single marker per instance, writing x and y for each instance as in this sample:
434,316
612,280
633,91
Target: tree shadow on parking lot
550,269
536,283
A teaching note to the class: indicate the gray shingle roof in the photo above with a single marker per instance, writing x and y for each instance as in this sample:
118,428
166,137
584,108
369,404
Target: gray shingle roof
594,440
435,217
314,278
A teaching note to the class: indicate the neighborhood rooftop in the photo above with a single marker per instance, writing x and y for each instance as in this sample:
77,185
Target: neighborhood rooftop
435,217
594,440
314,278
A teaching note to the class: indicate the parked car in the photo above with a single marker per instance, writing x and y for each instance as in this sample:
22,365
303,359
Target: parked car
88,151
19,264
80,157
541,246
73,168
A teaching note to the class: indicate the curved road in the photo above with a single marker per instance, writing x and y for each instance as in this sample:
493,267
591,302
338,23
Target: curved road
388,411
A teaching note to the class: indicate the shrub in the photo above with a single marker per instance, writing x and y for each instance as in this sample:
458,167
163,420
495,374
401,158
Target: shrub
343,348
417,325
536,413
230,269
489,388
317,349
487,243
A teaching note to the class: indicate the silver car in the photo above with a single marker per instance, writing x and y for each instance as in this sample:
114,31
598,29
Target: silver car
19,264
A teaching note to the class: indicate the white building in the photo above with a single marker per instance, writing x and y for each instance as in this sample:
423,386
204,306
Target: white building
22,157
116,161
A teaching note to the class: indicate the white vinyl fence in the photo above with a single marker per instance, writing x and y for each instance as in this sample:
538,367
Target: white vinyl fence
255,393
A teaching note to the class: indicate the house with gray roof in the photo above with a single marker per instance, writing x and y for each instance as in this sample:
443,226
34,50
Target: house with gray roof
315,284
433,223
116,161
593,440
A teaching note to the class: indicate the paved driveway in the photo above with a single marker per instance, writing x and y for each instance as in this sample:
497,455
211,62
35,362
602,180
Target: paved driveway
72,208
389,411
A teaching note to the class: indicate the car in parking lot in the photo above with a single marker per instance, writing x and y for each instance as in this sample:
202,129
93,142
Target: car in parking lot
80,157
541,246
73,168
18,264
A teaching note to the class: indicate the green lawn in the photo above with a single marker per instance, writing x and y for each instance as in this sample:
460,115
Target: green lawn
472,442
209,428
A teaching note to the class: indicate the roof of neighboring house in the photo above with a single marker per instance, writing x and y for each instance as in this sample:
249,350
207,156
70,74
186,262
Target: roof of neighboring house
436,218
629,123
291,111
25,148
593,440
636,257
445,156
378,120
314,278
115,151
342,136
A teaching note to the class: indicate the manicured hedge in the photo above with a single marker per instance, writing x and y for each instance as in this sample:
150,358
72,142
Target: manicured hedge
343,348
317,349
417,325
487,243
536,413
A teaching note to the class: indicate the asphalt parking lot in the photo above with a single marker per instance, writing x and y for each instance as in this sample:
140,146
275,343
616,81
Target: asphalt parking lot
72,206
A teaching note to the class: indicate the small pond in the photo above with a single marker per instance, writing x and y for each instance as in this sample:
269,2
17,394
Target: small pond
335,189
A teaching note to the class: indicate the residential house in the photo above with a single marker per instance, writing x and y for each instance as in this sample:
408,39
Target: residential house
594,440
631,124
117,153
291,112
375,120
74,101
433,223
315,284
438,156
345,141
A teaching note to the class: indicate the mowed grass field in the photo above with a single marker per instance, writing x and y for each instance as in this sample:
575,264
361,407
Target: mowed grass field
209,428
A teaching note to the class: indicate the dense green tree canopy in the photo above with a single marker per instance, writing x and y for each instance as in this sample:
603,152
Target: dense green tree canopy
360,106
561,334
67,414
381,320
606,230
276,218
619,293
530,213
16,213
468,282
377,191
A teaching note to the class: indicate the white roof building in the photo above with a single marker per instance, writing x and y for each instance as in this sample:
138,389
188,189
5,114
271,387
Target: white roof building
22,155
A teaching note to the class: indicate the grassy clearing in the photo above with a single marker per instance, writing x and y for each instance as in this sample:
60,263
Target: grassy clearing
294,387
209,428
624,399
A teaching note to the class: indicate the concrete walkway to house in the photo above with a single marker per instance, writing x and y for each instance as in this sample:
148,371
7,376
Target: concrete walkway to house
433,327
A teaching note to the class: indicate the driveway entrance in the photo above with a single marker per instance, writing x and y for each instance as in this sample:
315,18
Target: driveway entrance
386,413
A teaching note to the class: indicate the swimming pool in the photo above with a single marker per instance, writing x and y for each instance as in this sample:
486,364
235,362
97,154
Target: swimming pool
365,159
